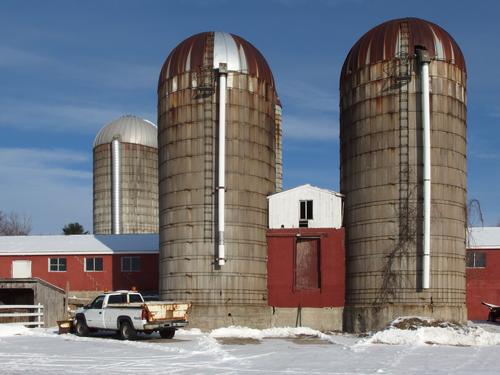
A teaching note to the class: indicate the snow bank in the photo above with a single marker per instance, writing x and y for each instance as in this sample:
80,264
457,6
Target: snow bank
260,334
428,332
12,329
189,332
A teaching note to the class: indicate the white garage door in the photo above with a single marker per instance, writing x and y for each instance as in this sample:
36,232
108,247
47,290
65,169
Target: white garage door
21,269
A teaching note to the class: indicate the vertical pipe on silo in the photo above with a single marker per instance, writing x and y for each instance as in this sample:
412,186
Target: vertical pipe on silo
426,125
222,161
115,187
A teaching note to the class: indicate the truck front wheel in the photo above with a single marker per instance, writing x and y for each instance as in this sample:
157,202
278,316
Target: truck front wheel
127,332
81,327
167,333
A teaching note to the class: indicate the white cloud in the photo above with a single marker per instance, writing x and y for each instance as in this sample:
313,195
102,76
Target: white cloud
485,155
304,96
51,186
35,156
14,57
103,74
320,128
59,117
330,3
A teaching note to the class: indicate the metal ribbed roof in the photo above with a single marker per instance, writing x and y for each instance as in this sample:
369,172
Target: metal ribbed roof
382,43
129,129
483,238
79,244
236,52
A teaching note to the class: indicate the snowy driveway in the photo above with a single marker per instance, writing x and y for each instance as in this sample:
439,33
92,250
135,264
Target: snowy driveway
192,352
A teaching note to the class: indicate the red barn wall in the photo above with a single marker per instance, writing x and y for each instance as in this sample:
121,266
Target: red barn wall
281,268
111,278
146,279
483,284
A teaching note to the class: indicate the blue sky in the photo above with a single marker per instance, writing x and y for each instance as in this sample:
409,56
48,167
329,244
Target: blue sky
69,67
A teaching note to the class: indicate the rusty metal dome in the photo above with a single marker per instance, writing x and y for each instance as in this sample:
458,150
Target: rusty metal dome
239,55
382,43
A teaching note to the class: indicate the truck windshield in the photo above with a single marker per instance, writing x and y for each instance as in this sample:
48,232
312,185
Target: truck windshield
135,298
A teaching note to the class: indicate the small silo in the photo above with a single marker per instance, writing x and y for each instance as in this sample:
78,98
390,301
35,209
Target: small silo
403,172
126,177
219,123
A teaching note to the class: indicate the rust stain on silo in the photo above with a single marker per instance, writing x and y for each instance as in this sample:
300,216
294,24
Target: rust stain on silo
379,44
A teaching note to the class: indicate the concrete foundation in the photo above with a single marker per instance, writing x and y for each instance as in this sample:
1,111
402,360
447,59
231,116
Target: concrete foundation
208,317
372,318
322,319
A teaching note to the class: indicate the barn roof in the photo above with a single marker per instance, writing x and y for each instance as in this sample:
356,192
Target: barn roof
79,244
483,238
306,187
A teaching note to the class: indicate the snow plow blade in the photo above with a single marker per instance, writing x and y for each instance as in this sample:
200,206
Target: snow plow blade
494,311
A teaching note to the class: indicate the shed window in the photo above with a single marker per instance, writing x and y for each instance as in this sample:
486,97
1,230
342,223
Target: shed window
93,264
307,264
57,264
475,259
131,264
306,213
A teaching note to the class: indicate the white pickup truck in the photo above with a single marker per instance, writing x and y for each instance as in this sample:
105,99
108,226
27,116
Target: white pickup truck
126,312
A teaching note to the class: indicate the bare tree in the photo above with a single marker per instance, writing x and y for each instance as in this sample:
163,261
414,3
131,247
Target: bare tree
474,214
13,224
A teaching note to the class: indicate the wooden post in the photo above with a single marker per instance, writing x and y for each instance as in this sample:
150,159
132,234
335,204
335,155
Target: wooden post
39,317
66,303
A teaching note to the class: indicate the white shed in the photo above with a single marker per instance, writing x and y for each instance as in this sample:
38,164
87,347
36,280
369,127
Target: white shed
305,206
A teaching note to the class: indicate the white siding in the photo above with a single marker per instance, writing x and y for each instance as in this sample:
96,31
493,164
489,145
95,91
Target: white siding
284,208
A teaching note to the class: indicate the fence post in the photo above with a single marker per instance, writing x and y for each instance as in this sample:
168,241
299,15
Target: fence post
39,317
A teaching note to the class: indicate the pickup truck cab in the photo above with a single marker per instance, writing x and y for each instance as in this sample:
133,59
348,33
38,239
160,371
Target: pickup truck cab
126,312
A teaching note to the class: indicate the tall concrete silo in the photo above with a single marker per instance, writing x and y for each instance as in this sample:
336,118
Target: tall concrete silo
220,155
403,172
126,177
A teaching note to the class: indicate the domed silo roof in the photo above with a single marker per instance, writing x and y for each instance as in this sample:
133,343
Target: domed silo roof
129,129
239,55
382,44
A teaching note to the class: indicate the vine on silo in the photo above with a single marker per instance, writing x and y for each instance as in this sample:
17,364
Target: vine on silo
392,278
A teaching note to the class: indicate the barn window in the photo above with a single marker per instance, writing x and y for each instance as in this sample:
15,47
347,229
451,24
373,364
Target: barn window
131,264
57,264
306,213
93,264
475,259
307,264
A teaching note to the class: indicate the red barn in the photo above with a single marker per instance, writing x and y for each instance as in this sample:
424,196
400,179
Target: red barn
483,270
306,267
85,264
306,262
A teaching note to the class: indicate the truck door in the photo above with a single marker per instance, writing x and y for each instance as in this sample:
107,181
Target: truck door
113,309
94,315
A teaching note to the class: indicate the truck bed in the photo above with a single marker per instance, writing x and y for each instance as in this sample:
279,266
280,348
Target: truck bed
158,310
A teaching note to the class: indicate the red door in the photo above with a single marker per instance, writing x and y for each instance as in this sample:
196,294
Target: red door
307,275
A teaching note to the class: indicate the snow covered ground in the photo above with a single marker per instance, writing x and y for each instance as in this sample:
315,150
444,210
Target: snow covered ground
236,350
